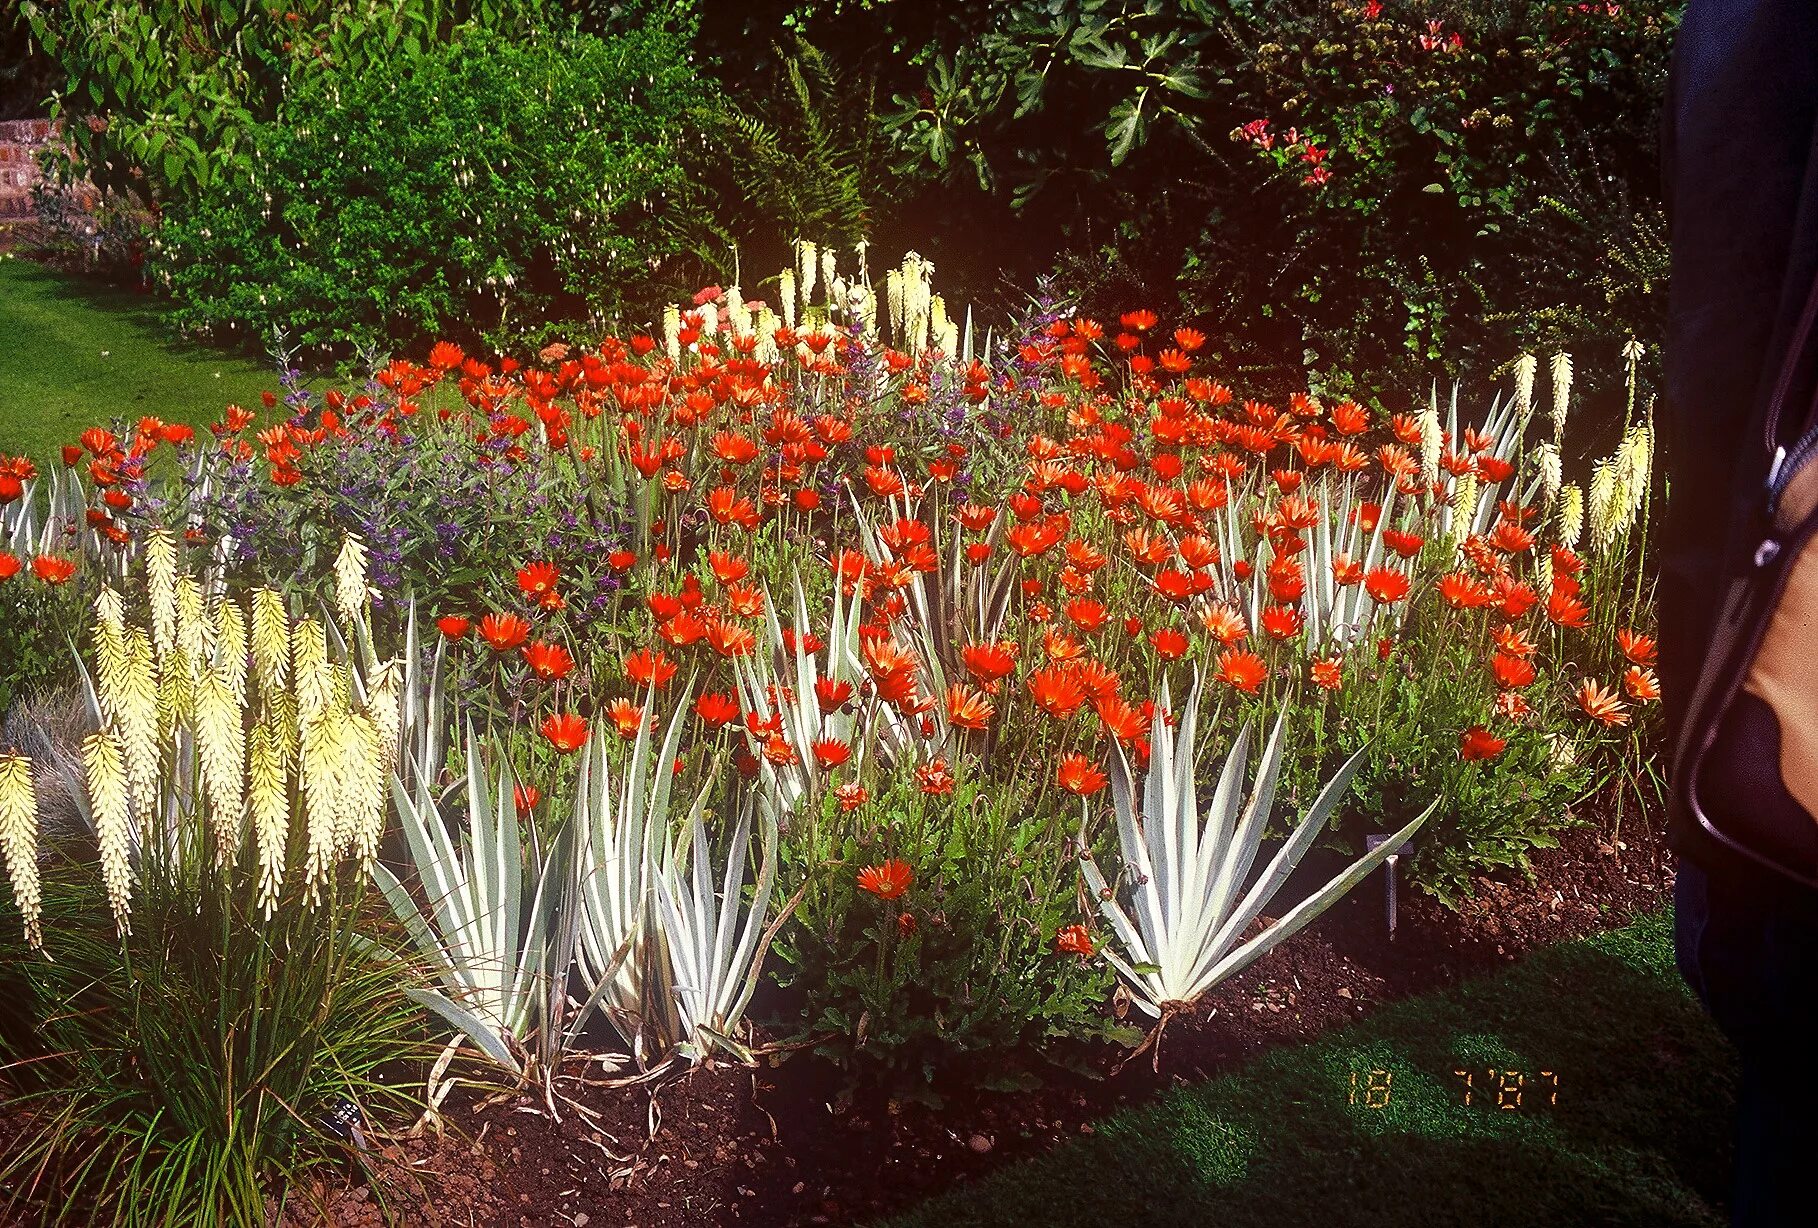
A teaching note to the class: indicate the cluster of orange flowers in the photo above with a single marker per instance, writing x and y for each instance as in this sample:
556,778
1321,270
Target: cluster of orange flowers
1122,513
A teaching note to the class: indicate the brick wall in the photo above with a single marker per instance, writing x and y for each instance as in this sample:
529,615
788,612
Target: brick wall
20,141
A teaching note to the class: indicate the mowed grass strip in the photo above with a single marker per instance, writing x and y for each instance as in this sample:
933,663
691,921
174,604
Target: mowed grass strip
74,354
1598,1094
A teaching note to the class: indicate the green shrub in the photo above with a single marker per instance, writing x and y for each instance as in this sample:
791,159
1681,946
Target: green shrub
493,186
182,84
958,976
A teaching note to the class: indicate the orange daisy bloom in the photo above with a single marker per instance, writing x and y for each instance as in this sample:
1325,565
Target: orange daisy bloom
1073,940
967,708
1080,775
1639,649
887,880
550,662
1601,705
1245,671
1479,743
566,732
1057,691
1386,585
1641,684
503,632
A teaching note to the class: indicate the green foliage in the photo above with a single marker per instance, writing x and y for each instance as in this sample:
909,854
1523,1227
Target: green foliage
1329,184
164,94
805,156
497,186
35,622
177,1077
1494,813
958,977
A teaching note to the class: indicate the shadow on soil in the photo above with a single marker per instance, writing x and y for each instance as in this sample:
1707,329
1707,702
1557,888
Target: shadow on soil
1598,1094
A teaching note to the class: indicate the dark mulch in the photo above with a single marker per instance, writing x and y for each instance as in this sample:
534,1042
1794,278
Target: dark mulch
777,1146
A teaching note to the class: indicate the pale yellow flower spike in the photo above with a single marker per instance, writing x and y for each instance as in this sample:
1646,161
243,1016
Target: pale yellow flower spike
230,648
195,633
1525,369
221,752
319,773
350,581
270,641
1464,507
161,588
131,705
1562,392
106,778
176,689
268,806
385,706
309,662
363,779
1552,470
19,841
1571,515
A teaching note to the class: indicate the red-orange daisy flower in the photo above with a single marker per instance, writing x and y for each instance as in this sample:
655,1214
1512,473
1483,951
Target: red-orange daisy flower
1601,704
888,879
550,662
566,731
1479,743
1078,774
1073,940
1245,671
503,632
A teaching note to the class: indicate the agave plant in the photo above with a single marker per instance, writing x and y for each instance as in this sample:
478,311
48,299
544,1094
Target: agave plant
714,942
954,605
504,973
1189,895
786,682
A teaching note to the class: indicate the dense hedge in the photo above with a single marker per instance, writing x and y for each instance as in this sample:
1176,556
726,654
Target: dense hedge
494,185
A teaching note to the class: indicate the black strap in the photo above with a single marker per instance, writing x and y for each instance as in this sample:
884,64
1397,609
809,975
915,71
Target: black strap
1789,369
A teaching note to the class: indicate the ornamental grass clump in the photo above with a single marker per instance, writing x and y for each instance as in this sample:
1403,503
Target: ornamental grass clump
194,983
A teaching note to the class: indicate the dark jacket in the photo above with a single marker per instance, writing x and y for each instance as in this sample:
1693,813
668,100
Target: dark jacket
1741,186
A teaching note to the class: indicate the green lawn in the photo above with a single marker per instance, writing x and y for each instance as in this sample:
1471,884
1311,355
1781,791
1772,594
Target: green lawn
73,354
1370,1125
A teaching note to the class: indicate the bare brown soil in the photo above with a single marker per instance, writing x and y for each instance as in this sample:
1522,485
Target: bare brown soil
777,1146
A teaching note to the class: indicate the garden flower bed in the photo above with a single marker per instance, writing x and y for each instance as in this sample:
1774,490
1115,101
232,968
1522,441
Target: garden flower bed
814,700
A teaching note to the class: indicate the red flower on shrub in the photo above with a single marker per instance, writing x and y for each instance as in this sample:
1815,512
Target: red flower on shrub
1479,743
649,669
1243,671
887,880
538,581
53,568
550,662
935,778
1080,775
715,709
1639,649
1386,585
